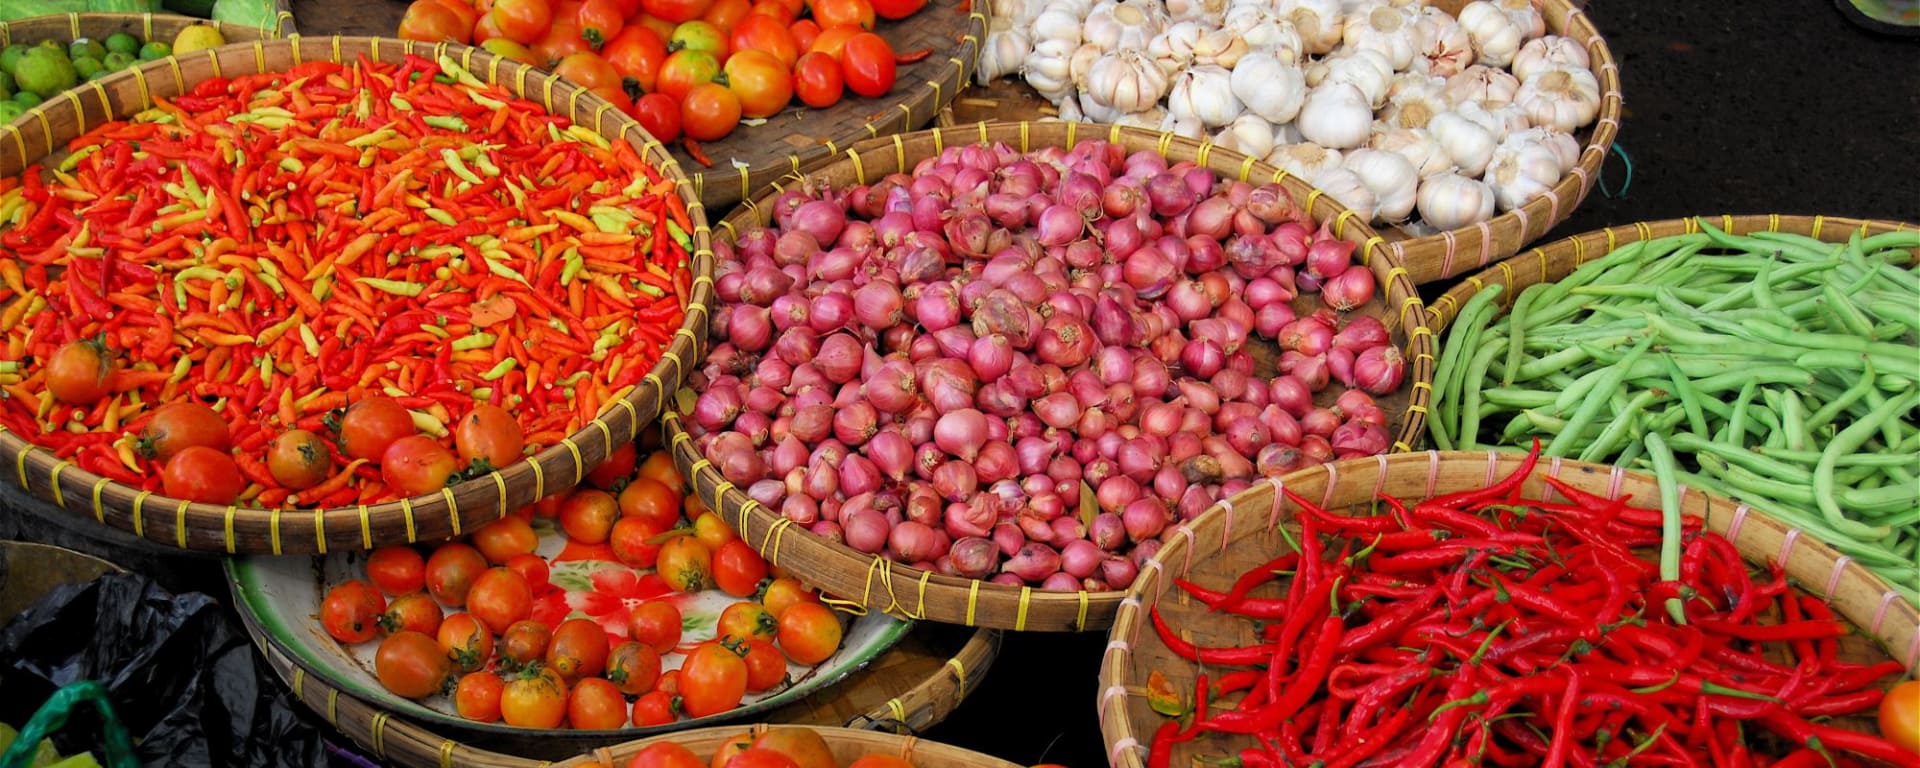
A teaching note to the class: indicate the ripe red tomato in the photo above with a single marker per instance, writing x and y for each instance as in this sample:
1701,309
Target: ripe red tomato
698,35
760,81
417,464
887,761
726,14
466,641
534,569
659,114
525,641
549,507
535,700
655,708
615,470
499,598
199,473
784,10
676,11
816,80
467,13
486,31
712,531
488,433
80,372
712,680
670,682
1900,716
414,611
681,72
658,624
372,425
664,755
477,696
766,34
596,705
785,592
600,21
578,649
451,571
747,620
635,667
631,543
299,460
661,28
587,70
658,466
757,757
804,32
431,21
397,569
710,112
651,501
351,611
837,13
737,569
766,666
411,665
833,40
588,516
636,53
804,746
731,747
563,37
895,10
505,538
175,426
522,21
867,65
685,564
809,633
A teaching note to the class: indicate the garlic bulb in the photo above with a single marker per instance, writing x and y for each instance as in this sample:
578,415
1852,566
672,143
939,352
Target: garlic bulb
1265,30
1369,71
1496,38
1561,98
1287,133
1248,134
1564,146
1047,70
1525,16
1058,22
1096,112
1172,49
1204,93
1443,44
1304,159
1413,108
1210,12
1500,121
1470,145
1149,120
1113,25
1070,111
1521,171
1269,86
1318,21
1451,201
1390,178
1019,12
1551,51
1219,48
1336,115
1418,147
1483,85
1126,81
1416,85
1190,127
1006,48
1347,188
1384,30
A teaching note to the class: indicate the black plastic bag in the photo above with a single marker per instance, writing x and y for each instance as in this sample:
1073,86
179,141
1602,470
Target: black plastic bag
182,677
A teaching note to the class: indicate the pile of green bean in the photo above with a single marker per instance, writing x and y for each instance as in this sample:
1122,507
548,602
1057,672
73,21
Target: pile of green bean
1780,370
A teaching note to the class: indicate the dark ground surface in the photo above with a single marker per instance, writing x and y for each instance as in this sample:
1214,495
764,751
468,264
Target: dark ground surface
1779,106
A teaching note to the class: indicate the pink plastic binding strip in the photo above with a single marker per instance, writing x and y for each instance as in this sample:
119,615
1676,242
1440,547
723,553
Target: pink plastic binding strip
1833,579
1226,530
1880,614
1433,472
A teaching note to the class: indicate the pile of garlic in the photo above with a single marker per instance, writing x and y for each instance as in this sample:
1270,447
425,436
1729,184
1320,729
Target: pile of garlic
1392,107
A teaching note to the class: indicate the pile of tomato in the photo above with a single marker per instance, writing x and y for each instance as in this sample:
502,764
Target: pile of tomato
790,747
458,618
692,67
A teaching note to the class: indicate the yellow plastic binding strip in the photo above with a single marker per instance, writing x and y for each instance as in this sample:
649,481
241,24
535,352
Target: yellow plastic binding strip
226,526
59,499
446,754
973,598
1079,622
139,513
406,513
320,531
273,529
959,674
366,529
99,510
180,524
539,479
1020,617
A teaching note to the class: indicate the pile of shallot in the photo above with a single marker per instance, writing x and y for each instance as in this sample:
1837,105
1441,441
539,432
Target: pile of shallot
940,367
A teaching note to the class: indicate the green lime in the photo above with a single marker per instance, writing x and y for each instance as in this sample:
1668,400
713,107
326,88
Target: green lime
118,60
121,42
46,72
26,99
10,57
86,48
155,50
86,66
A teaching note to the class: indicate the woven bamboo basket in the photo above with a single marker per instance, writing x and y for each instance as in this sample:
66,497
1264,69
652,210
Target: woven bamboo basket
48,127
910,689
1246,534
146,26
1430,257
28,571
866,582
847,744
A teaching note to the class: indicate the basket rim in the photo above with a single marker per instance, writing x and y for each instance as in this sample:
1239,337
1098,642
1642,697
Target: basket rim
1124,745
283,26
429,516
1082,610
908,745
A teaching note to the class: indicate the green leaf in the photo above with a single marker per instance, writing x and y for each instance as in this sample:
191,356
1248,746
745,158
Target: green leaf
1162,696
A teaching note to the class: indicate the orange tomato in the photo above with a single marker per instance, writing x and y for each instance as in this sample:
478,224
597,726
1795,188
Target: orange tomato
709,112
681,72
895,10
699,36
431,21
588,516
809,633
867,65
561,40
596,705
766,34
485,31
1900,716
785,592
661,28
535,700
803,745
774,9
600,21
804,32
522,21
658,466
833,40
834,13
816,80
587,70
465,11
411,665
502,539
477,697
578,649
636,54
725,14
879,761
684,562
676,11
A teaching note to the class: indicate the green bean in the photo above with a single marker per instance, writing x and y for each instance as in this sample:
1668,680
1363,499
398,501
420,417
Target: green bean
1889,429
1886,307
1589,408
1517,328
1793,420
1572,395
1799,246
1847,441
1886,241
1846,400
1666,475
1648,292
1517,398
1766,374
1689,402
1617,430
1558,361
1470,405
1736,426
1467,328
1898,457
1694,443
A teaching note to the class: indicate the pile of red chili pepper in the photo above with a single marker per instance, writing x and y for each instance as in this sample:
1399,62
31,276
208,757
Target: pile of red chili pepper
281,245
1484,628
